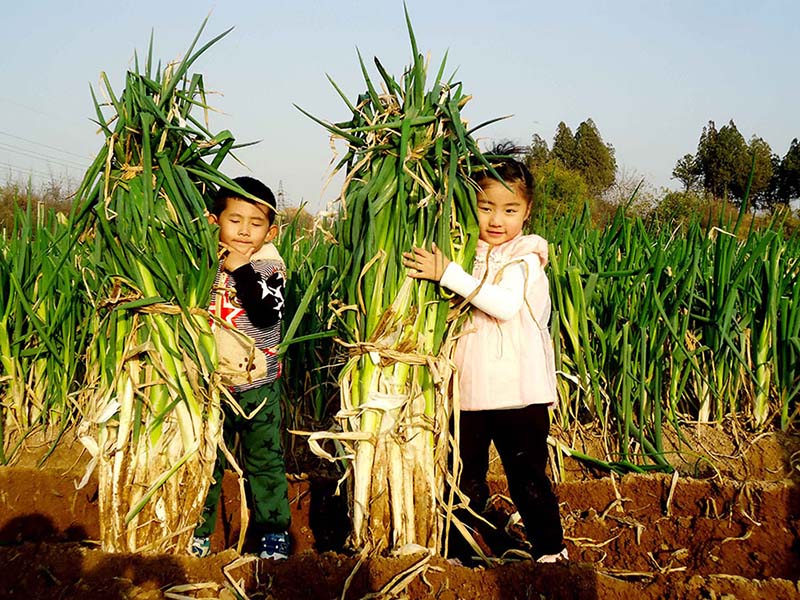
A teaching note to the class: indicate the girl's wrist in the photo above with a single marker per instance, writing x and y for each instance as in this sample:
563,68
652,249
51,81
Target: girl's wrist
444,264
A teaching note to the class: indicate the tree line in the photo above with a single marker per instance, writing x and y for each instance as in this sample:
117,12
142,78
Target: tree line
725,164
581,166
577,167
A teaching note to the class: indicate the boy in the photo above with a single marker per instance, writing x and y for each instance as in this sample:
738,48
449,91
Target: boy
248,298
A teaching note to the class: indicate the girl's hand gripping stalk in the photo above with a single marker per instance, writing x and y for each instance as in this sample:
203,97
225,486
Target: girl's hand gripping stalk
424,264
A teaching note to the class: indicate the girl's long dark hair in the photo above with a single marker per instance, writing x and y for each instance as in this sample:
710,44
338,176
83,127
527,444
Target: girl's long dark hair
512,170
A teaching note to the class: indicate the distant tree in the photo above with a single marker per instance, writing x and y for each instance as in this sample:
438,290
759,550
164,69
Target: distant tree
558,191
54,194
788,174
538,152
576,169
594,159
761,163
678,207
687,171
723,161
734,160
706,155
564,146
297,217
775,182
632,190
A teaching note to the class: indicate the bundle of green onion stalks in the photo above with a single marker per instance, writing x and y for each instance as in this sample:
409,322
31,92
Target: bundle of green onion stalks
148,258
408,164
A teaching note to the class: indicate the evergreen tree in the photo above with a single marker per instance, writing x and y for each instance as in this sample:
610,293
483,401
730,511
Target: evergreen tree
734,160
594,159
761,161
687,171
538,152
558,191
706,156
564,146
723,161
788,186
775,183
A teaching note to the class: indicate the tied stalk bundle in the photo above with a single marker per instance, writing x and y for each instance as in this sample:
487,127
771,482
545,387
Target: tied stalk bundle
408,164
152,402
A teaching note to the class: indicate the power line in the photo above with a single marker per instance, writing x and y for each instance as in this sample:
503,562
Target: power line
31,154
25,170
30,109
17,137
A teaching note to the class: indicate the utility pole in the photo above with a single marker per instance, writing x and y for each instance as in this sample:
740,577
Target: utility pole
281,197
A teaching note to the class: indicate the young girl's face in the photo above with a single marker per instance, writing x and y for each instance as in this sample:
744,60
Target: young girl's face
501,212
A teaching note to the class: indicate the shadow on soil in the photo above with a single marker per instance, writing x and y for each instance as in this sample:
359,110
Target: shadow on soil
39,561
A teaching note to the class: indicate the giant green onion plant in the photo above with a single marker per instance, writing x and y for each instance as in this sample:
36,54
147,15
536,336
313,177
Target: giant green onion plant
407,164
148,257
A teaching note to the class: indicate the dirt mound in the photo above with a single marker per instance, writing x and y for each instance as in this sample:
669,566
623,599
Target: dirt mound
639,536
642,536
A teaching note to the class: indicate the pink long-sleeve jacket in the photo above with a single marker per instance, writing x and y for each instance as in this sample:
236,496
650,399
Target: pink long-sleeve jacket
504,353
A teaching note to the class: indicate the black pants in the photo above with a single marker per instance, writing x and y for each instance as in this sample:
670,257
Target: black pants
520,436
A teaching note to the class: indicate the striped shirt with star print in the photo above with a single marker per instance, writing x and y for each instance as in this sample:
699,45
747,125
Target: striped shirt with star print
251,301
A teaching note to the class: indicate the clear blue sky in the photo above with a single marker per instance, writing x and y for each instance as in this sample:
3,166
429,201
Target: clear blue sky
650,73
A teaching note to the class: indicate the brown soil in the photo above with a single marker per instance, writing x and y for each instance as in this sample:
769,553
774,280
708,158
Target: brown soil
733,534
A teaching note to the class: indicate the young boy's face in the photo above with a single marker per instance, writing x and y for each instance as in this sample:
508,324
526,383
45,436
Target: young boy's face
244,227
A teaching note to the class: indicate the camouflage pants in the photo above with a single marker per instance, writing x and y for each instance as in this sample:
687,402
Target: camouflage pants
260,455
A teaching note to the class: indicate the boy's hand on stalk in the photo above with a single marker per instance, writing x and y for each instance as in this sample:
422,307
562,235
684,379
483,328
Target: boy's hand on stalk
235,259
424,264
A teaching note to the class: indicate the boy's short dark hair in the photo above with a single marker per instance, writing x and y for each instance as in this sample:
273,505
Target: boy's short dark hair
252,186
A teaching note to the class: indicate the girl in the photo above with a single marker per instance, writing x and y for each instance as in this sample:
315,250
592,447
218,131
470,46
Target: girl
505,354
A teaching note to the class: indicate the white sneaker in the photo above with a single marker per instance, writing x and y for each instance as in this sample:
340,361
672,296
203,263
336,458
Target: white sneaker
562,556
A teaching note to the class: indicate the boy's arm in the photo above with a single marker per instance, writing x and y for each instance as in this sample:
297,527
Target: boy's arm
261,295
